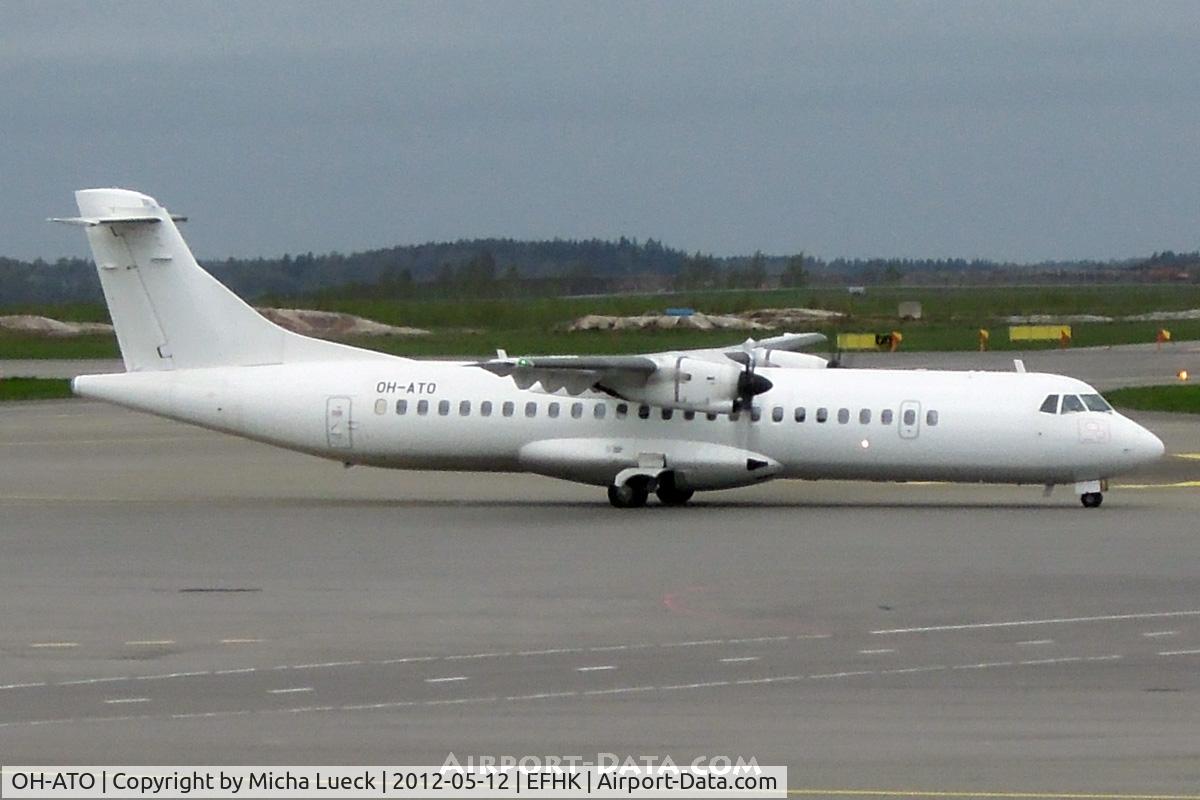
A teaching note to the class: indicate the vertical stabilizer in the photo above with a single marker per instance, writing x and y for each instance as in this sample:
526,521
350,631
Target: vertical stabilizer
168,312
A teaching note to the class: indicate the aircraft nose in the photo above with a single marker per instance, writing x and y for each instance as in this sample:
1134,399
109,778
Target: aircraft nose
1147,446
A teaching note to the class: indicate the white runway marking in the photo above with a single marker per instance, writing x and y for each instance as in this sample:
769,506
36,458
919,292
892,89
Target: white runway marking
149,642
596,669
1152,634
54,644
240,641
738,659
541,695
1179,652
1054,621
877,651
22,686
241,671
169,675
550,652
471,656
1035,642
843,674
325,665
86,681
293,690
447,680
621,690
120,700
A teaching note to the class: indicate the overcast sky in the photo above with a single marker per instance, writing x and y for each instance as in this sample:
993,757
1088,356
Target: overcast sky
1006,130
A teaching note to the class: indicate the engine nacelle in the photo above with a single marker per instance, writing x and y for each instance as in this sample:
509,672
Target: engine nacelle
788,359
690,384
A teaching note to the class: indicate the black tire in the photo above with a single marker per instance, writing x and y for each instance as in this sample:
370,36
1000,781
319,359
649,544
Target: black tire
1091,499
671,495
633,494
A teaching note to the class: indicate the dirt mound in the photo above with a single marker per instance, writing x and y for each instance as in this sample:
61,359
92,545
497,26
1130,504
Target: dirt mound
44,326
757,320
333,324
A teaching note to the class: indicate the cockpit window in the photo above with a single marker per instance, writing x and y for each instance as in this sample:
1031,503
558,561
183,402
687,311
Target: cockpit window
1095,402
1072,404
1050,404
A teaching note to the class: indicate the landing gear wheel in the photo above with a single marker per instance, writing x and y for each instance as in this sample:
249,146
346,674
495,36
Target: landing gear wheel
629,495
671,495
1091,499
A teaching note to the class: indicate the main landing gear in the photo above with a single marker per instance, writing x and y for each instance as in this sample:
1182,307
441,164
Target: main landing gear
634,492
1091,499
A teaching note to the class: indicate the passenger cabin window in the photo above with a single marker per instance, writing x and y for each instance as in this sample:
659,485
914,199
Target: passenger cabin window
931,418
689,415
599,411
622,410
443,408
886,416
755,413
576,410
1095,402
401,406
822,414
552,411
422,407
531,409
843,416
485,408
464,408
910,416
381,406
508,408
864,416
1050,404
667,413
800,414
777,414
711,416
1071,404
643,411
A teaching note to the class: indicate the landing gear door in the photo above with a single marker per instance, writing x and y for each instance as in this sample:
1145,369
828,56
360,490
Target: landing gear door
910,419
337,423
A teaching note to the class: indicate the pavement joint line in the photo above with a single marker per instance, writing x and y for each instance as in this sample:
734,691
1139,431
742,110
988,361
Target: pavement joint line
700,685
988,665
471,656
1179,652
842,674
1054,621
541,695
166,675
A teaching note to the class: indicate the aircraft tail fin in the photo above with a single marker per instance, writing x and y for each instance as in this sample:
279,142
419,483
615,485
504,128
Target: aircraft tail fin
168,312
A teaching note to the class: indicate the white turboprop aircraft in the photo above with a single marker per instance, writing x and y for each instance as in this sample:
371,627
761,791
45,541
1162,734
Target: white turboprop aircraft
670,423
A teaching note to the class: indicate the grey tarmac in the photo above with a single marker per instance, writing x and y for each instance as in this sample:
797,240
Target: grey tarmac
171,595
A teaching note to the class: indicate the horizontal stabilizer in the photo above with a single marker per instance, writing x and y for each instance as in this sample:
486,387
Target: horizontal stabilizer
92,222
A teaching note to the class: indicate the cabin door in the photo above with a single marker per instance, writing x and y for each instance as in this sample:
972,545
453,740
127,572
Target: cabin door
337,423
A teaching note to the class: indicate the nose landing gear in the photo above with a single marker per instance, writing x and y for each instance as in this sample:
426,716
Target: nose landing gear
1091,499
1091,492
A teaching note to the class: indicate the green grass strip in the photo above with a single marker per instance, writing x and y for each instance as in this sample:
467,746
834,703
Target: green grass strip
34,388
1177,397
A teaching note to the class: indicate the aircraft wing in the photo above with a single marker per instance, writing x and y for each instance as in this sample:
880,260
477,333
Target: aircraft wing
725,373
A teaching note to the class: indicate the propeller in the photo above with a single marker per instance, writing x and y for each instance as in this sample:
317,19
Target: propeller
749,383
